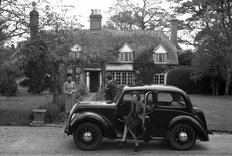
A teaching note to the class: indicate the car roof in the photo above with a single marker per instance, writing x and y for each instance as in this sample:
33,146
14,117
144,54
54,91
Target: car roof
155,87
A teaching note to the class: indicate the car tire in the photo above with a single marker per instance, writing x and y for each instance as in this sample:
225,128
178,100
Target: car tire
183,137
87,136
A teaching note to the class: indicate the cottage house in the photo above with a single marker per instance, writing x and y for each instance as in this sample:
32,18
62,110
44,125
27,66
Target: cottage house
120,49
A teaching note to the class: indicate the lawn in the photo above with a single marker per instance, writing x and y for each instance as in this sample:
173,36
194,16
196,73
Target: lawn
16,110
217,109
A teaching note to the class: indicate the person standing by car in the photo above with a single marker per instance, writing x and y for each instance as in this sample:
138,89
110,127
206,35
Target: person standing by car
69,90
111,88
133,120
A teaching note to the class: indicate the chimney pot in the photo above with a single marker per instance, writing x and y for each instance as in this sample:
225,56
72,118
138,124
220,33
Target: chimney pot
95,19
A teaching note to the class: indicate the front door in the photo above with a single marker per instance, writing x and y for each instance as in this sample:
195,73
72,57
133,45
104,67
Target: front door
94,81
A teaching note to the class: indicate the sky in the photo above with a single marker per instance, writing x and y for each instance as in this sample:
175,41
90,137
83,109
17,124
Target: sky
83,8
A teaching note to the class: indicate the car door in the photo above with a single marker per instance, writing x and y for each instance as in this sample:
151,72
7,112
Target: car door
148,114
164,109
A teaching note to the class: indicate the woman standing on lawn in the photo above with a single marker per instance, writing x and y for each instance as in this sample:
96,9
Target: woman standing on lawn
69,90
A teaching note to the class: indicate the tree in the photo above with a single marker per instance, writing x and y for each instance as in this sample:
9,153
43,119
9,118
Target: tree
146,14
14,15
36,65
5,53
212,20
185,58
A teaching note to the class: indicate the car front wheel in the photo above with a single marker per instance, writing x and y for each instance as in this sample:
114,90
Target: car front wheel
183,137
87,136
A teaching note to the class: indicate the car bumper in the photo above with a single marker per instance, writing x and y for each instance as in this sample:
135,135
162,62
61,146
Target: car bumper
66,130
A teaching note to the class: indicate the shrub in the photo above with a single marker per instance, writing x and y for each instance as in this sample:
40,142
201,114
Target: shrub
8,85
82,89
179,77
53,113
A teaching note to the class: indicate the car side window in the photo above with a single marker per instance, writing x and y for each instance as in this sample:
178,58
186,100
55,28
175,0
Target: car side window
127,95
178,100
170,99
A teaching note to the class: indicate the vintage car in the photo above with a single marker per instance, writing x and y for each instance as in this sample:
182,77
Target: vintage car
170,117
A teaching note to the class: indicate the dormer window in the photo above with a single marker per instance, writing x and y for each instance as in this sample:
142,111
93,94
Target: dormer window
126,57
125,53
75,51
160,55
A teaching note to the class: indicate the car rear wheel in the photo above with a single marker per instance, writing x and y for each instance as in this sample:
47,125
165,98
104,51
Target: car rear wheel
87,136
183,137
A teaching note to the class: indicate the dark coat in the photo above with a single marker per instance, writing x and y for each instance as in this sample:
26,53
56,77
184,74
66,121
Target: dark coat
133,120
110,90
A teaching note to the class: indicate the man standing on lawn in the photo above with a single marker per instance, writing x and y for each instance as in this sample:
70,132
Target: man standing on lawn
111,88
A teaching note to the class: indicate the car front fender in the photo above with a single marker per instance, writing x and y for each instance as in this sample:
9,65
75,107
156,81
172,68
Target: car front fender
103,123
201,131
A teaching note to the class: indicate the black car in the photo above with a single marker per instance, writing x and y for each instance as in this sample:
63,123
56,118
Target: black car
171,117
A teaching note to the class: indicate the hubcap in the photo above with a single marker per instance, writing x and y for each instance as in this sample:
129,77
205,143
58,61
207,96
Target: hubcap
183,136
87,137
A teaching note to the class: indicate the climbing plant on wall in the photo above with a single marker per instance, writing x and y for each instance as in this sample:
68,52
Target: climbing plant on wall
145,68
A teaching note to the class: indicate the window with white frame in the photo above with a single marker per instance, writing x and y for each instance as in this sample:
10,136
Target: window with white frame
123,78
126,53
160,54
126,57
159,78
160,58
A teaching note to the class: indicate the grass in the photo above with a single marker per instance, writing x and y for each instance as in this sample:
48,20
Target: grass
217,109
17,110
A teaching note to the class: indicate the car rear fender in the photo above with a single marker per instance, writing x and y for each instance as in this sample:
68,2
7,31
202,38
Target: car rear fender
105,125
201,131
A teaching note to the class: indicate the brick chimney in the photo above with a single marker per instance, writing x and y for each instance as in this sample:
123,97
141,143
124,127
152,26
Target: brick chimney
34,22
174,25
95,20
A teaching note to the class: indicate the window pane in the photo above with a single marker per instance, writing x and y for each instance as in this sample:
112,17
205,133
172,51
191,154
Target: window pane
124,78
122,56
113,75
178,100
164,97
126,56
156,57
130,78
118,78
160,57
161,79
156,79
165,57
130,56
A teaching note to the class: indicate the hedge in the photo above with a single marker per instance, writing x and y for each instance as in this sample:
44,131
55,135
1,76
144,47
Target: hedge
180,77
